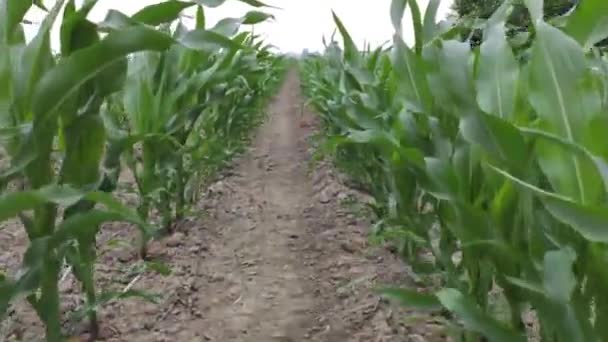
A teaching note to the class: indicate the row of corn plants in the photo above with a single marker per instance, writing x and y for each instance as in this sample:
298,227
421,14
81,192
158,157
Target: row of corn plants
144,92
184,112
487,162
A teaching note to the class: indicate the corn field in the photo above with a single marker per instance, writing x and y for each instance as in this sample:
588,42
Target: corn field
145,93
487,164
481,144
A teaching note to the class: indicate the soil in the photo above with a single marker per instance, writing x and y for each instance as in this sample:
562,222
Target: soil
271,253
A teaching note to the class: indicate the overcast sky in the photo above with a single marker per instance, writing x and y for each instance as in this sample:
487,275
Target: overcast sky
300,24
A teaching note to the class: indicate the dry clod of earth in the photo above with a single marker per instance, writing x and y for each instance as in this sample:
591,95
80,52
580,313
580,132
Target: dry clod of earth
277,257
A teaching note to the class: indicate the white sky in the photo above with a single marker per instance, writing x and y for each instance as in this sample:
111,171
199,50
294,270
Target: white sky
299,24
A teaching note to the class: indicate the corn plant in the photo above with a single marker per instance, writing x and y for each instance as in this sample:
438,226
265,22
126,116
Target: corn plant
62,162
46,105
488,164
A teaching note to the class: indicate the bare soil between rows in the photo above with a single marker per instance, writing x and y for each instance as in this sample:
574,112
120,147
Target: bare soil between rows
271,254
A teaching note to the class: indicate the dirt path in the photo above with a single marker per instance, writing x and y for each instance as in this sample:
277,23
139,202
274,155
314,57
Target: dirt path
276,258
260,232
292,263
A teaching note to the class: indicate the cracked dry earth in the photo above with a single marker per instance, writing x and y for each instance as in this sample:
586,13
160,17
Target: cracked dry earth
277,257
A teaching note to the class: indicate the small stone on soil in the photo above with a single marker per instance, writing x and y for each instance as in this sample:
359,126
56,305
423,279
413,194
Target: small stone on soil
216,278
347,248
175,240
324,198
416,338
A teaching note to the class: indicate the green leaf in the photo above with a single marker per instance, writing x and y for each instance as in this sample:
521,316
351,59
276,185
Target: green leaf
35,262
372,136
159,267
85,141
76,31
256,3
410,73
558,276
116,20
256,17
207,40
216,3
11,15
200,18
450,64
34,62
351,53
164,12
444,179
533,288
9,133
589,23
210,3
417,22
115,206
498,70
600,164
7,293
68,76
558,318
498,137
476,320
82,225
429,26
588,220
397,9
227,26
556,70
14,203
412,299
